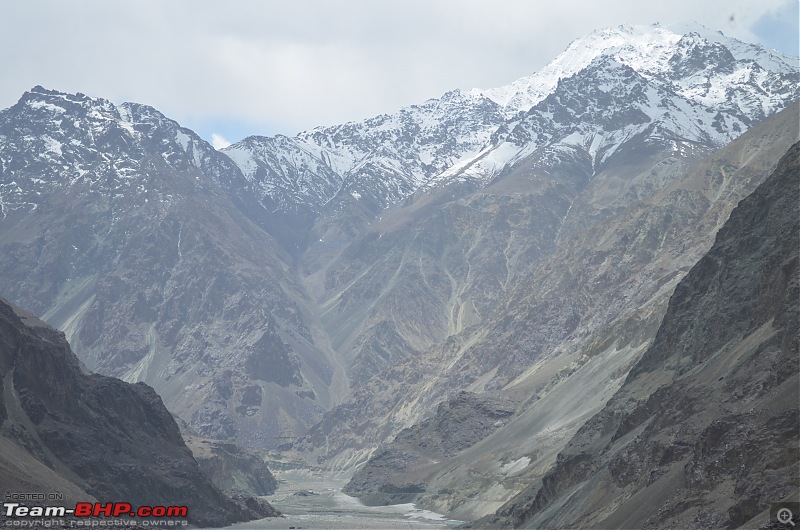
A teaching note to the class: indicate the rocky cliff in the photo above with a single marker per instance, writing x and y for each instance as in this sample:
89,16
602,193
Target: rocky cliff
232,468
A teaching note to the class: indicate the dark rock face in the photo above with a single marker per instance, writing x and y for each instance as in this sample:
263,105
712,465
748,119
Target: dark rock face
114,440
397,472
704,432
231,468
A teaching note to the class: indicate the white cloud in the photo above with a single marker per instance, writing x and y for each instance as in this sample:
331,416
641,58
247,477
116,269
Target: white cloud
218,141
288,66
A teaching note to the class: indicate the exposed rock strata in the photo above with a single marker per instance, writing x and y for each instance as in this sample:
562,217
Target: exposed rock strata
231,468
398,471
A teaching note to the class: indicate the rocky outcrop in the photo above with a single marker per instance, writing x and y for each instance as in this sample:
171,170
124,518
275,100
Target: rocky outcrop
231,468
704,431
398,471
94,434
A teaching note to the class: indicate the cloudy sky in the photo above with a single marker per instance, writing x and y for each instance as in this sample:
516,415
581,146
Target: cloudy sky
230,69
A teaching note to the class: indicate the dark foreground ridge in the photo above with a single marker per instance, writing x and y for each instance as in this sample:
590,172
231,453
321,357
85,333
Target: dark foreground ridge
92,437
704,432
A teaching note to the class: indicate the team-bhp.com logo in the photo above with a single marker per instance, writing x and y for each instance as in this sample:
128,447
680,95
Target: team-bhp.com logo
93,514
97,509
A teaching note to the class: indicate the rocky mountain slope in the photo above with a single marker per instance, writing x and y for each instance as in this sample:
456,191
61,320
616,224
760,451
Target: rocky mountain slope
704,430
145,246
398,472
231,468
562,344
630,109
91,437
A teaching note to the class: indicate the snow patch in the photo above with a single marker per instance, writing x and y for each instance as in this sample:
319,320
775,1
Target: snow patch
39,104
183,139
244,159
52,145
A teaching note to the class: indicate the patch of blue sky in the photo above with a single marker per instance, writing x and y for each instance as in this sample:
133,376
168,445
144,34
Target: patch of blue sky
220,132
780,29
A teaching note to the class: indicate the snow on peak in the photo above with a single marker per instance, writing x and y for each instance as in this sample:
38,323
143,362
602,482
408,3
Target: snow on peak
391,155
646,49
70,140
640,47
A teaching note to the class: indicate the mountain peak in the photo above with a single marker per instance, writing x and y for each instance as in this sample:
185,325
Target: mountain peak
646,49
631,44
39,93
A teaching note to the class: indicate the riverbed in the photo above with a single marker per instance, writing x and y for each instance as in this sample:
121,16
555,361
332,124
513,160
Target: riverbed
309,500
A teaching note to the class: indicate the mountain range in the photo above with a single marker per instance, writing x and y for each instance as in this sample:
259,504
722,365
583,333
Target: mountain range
444,298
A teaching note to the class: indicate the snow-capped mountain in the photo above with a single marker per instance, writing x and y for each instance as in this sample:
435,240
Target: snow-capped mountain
72,141
404,149
145,246
688,84
609,104
649,50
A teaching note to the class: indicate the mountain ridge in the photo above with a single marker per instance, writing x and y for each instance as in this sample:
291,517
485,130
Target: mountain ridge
631,46
147,248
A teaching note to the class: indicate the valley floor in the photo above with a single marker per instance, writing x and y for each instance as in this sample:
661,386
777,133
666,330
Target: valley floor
309,500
